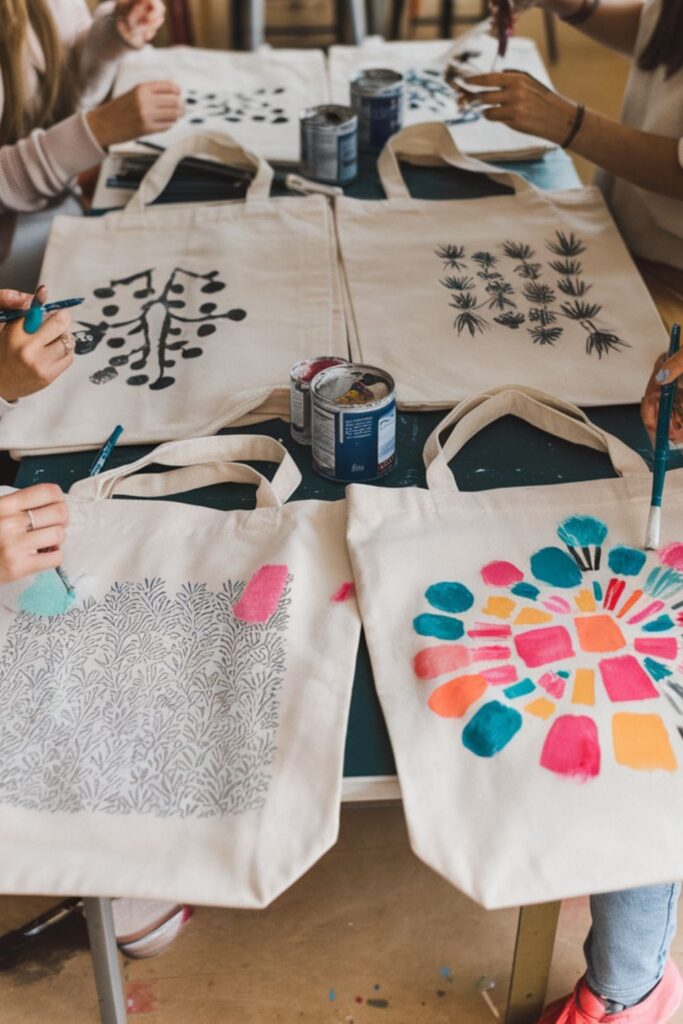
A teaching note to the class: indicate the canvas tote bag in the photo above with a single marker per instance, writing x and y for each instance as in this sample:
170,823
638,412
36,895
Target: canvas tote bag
186,307
428,97
455,296
526,653
177,730
254,97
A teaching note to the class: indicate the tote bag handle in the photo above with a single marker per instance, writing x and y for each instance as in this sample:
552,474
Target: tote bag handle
203,461
429,144
534,407
205,144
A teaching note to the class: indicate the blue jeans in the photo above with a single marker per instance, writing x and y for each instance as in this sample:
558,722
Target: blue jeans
628,945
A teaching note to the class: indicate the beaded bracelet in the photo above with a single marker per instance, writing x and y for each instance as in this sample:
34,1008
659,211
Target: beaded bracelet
576,126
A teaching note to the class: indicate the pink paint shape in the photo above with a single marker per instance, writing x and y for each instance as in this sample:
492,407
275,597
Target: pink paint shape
501,574
262,594
557,604
490,653
660,647
615,589
553,684
501,675
434,661
544,646
572,748
626,679
345,593
672,555
489,631
646,613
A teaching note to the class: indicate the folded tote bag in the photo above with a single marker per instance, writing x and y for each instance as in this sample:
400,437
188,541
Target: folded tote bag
175,728
530,287
428,97
526,652
185,308
254,97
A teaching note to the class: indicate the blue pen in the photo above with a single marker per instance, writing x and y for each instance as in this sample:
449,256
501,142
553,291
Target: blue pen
105,451
8,315
666,402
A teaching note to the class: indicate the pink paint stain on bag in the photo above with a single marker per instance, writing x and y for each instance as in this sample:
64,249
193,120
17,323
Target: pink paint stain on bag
345,593
262,594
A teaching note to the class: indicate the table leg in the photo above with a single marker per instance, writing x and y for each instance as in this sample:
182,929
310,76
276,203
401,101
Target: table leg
378,17
531,966
357,21
105,960
256,24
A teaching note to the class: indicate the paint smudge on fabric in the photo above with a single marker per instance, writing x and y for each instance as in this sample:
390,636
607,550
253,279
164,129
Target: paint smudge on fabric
660,625
345,593
672,555
491,729
499,607
262,594
455,697
625,679
582,531
556,567
450,597
440,626
525,590
501,574
532,617
629,603
615,588
647,613
659,647
572,748
558,604
584,687
481,630
501,675
656,669
544,646
434,661
585,601
599,634
541,708
626,561
642,742
553,683
46,596
520,689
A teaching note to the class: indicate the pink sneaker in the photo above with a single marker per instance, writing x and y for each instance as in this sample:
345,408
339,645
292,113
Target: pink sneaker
583,1007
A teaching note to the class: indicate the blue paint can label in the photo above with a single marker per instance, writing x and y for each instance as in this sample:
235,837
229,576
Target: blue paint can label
377,98
329,144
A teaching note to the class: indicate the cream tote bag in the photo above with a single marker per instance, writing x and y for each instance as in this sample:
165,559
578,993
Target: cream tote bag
526,653
429,98
254,97
455,296
186,307
176,731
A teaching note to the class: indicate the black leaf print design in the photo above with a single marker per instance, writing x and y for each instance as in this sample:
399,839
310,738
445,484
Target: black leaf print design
453,256
458,284
512,320
524,254
500,292
599,341
574,287
467,318
566,267
566,245
545,335
262,105
164,330
486,260
143,703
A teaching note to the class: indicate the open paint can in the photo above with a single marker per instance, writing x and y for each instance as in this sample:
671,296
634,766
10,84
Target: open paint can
300,377
329,144
377,97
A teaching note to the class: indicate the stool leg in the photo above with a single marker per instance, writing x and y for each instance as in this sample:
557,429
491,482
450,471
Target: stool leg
357,20
397,19
378,17
105,960
256,24
551,35
531,967
446,18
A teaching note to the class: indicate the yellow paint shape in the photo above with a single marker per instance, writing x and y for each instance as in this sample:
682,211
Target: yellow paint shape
542,707
642,742
500,607
585,601
584,687
532,617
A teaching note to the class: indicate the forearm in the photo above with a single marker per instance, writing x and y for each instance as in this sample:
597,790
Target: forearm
95,53
614,23
648,161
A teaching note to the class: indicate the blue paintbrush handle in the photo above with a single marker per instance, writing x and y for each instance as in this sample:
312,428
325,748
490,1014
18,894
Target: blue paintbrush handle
666,402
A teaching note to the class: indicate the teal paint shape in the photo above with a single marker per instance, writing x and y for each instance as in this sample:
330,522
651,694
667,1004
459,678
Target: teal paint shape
520,689
659,625
47,596
597,591
656,669
491,729
525,590
450,597
626,561
582,531
563,674
439,626
556,567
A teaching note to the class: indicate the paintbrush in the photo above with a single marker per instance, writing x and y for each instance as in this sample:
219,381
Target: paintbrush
666,402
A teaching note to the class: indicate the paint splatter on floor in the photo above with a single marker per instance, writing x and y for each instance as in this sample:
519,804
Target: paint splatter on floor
140,998
446,973
379,1004
332,995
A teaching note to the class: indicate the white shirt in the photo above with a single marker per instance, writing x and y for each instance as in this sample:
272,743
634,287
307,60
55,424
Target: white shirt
652,225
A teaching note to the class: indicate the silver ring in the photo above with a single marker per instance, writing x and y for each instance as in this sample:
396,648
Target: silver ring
31,523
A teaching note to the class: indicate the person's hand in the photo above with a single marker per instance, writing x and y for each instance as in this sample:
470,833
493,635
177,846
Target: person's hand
29,362
665,372
523,103
32,529
146,109
138,21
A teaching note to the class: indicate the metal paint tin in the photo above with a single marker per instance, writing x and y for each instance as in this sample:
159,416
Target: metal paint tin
329,144
354,423
300,377
377,96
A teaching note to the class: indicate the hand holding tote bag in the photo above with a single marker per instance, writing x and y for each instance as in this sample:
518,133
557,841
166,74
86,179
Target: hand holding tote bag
177,731
527,653
455,296
186,307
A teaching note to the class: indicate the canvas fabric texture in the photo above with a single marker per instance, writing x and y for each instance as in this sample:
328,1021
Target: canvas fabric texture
529,287
254,97
176,731
193,313
526,653
428,97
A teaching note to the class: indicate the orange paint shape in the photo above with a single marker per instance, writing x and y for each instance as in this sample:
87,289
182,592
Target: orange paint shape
585,601
500,607
642,742
584,687
454,698
542,707
532,617
599,633
629,603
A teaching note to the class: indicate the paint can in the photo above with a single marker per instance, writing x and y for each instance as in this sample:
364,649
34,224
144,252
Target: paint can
354,423
329,144
377,97
300,377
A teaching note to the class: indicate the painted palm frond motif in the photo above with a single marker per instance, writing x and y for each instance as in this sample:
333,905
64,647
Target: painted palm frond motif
518,251
458,284
566,245
468,319
501,295
538,293
542,335
512,320
598,341
452,256
574,287
566,268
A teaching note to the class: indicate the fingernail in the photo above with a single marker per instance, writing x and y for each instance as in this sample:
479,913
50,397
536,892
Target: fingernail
662,377
33,319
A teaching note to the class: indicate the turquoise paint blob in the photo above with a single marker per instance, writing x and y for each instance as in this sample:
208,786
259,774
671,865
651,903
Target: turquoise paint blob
659,625
450,597
582,531
597,591
563,674
626,561
46,596
556,567
438,626
520,689
656,669
525,590
491,729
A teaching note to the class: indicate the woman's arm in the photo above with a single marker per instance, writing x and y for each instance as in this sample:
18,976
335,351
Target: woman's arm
613,22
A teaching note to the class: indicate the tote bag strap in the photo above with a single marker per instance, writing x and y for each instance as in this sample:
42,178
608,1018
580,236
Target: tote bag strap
534,407
205,144
430,144
203,461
